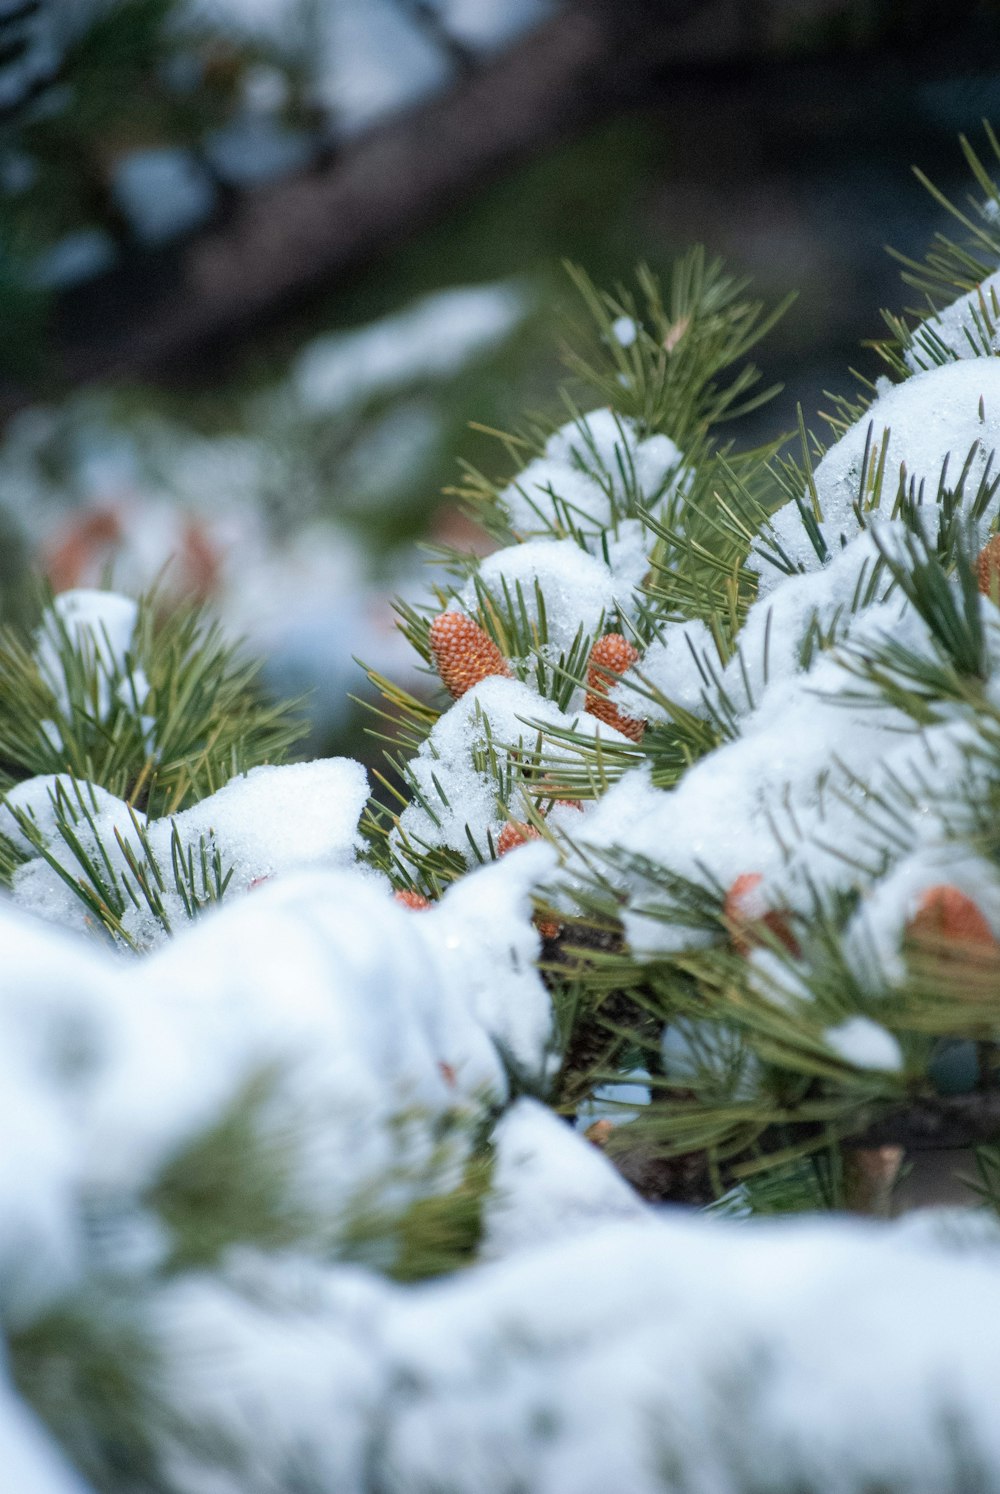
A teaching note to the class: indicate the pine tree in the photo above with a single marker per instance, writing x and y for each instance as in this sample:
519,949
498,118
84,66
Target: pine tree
732,718
794,946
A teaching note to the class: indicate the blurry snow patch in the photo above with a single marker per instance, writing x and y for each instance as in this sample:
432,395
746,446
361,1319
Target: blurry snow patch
434,338
76,257
488,24
284,1362
32,1463
625,330
324,981
734,1355
393,452
486,947
865,1044
374,61
548,1183
163,192
364,59
252,149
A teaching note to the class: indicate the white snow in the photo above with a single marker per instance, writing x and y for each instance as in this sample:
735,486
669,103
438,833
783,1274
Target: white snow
682,666
97,625
801,1354
931,419
486,948
865,1044
548,1183
594,472
967,328
576,590
163,192
464,809
31,1461
435,337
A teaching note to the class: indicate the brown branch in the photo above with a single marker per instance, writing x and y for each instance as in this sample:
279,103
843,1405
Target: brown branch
279,244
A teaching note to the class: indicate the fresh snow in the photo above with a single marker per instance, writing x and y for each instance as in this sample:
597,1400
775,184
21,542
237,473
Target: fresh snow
99,626
922,428
577,592
865,1044
455,776
593,471
968,328
546,1185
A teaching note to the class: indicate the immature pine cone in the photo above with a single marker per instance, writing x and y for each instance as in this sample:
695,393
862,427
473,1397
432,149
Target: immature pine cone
988,567
946,915
745,913
614,653
463,653
415,900
515,833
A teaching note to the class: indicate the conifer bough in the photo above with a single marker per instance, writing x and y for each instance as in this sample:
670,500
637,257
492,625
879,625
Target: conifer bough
702,833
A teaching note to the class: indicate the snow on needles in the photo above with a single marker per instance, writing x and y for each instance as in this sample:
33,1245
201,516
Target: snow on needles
924,430
594,472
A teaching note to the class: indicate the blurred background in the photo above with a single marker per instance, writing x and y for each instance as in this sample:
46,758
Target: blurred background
262,261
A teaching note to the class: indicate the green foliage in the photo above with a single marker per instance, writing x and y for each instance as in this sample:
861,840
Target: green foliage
441,1232
229,1185
90,1369
757,1100
195,875
82,711
686,335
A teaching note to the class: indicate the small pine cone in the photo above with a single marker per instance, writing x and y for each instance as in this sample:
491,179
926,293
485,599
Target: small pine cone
463,653
611,654
988,568
515,833
415,900
945,915
599,1133
746,913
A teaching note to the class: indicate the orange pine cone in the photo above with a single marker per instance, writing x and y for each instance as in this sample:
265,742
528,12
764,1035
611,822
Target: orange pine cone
945,915
515,833
415,900
463,653
745,913
611,654
988,568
